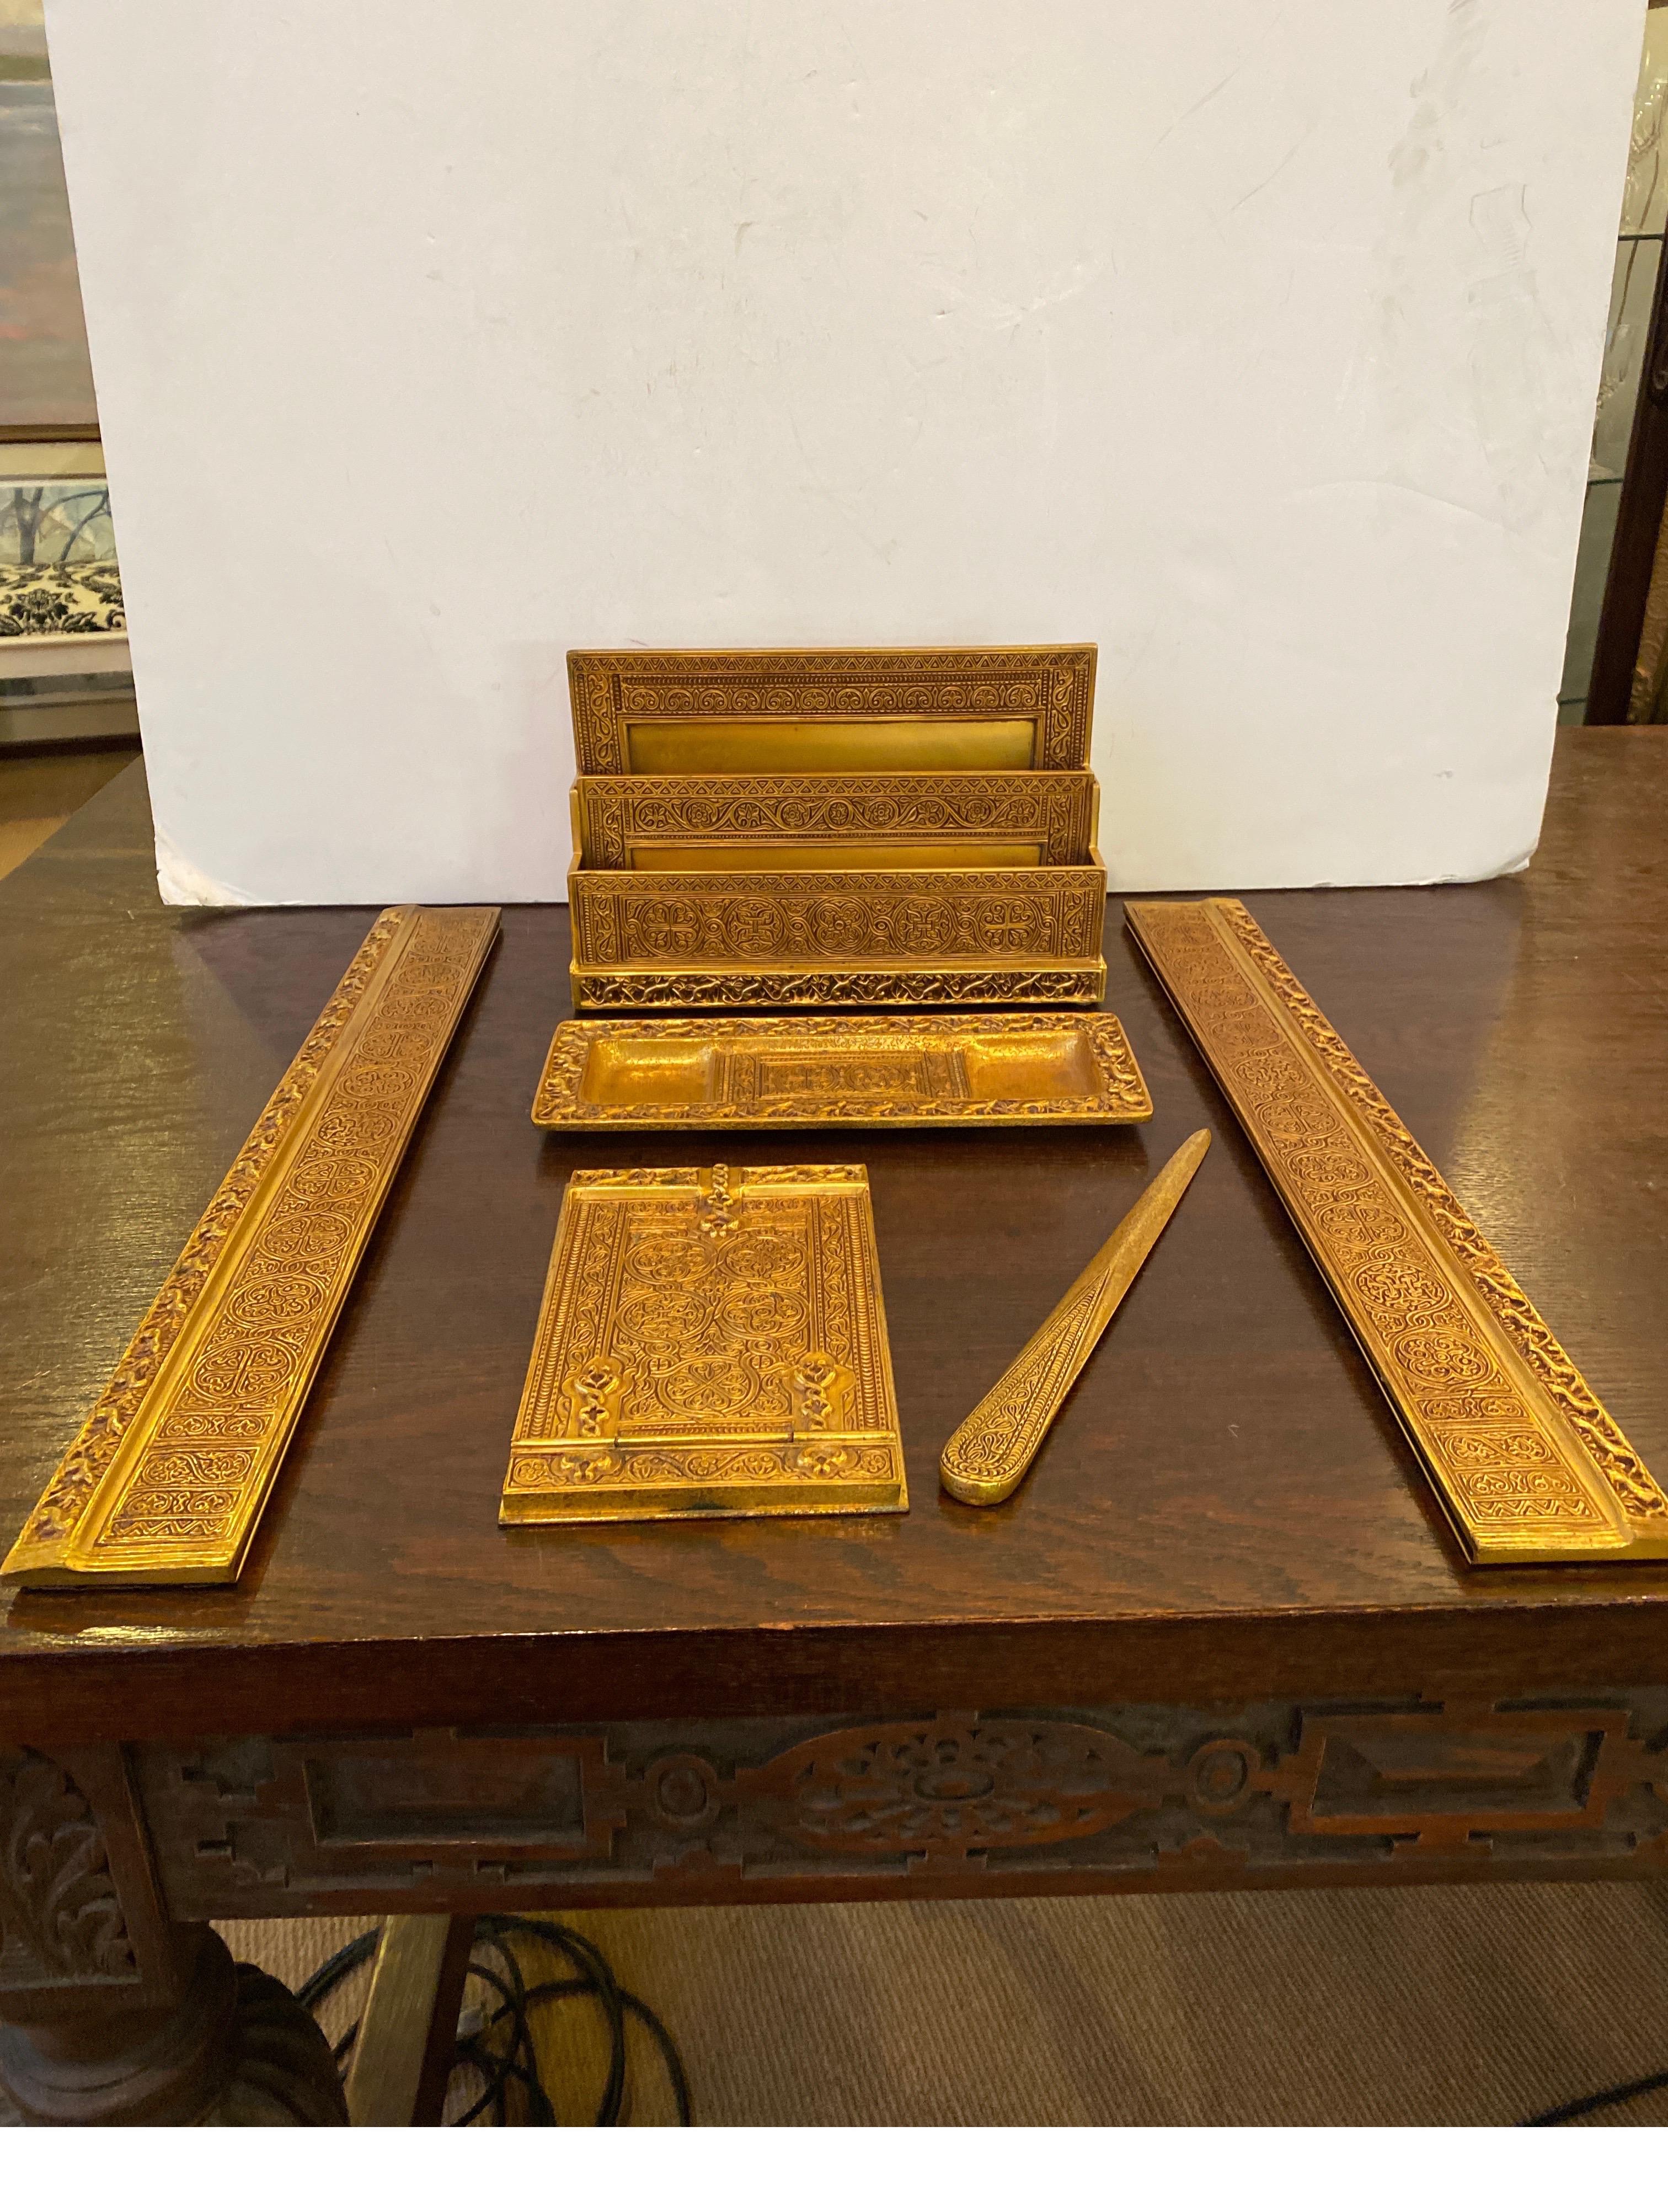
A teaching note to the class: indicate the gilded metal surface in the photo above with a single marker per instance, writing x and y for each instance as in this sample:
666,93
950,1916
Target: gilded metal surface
166,1480
1528,1466
712,1342
987,1458
840,745
835,828
779,700
876,936
666,821
1058,983
961,1071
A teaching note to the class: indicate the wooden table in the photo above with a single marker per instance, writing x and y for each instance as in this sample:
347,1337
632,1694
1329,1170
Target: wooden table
1220,1638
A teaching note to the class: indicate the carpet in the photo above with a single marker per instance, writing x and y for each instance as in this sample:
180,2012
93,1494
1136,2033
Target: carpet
1441,2007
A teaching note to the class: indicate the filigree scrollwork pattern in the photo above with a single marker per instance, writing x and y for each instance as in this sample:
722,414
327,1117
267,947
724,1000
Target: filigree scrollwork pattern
1074,983
618,813
83,1465
1052,686
1025,932
173,1463
853,1068
1511,1443
1006,1427
1022,915
714,1331
1554,1369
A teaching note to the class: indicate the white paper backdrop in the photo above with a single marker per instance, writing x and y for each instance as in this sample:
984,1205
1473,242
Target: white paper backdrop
1256,343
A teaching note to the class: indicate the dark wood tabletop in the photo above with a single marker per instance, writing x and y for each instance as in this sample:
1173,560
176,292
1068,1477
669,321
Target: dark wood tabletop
1224,1509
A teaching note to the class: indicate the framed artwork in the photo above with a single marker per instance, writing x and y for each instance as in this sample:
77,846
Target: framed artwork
47,379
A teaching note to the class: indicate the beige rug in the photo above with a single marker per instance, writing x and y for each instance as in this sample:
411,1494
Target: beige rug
1441,2007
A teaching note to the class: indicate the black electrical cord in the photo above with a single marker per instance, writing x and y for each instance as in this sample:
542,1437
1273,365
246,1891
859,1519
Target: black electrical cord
494,2069
595,1977
516,2060
335,1970
519,2061
1601,2099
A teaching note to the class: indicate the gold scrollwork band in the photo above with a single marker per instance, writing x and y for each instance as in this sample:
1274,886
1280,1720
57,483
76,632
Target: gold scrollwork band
1053,809
1052,684
1528,1466
166,1480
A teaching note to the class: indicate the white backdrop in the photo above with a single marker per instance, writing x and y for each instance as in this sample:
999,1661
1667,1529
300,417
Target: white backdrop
1256,343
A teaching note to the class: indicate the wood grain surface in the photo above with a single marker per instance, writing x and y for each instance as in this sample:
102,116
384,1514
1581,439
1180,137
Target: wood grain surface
1223,1510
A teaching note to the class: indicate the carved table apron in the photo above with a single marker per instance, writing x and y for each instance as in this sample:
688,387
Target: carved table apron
115,1858
1122,1798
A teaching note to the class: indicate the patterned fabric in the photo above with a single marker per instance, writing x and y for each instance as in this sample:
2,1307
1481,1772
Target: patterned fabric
38,601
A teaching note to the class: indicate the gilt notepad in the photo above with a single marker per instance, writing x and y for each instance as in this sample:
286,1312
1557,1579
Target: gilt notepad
712,1342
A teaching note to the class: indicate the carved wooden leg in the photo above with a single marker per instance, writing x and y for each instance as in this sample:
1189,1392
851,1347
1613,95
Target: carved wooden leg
109,2012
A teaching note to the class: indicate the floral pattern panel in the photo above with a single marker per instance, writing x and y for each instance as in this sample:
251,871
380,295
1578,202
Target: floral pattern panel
66,600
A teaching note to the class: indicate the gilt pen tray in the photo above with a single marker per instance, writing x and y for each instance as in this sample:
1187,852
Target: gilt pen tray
957,1070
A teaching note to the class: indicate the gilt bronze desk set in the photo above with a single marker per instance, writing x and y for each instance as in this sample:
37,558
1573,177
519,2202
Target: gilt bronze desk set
893,854
804,831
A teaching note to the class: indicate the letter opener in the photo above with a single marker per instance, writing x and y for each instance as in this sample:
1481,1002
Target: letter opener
986,1459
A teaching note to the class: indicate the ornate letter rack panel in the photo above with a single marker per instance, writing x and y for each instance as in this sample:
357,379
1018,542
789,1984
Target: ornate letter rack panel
835,828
